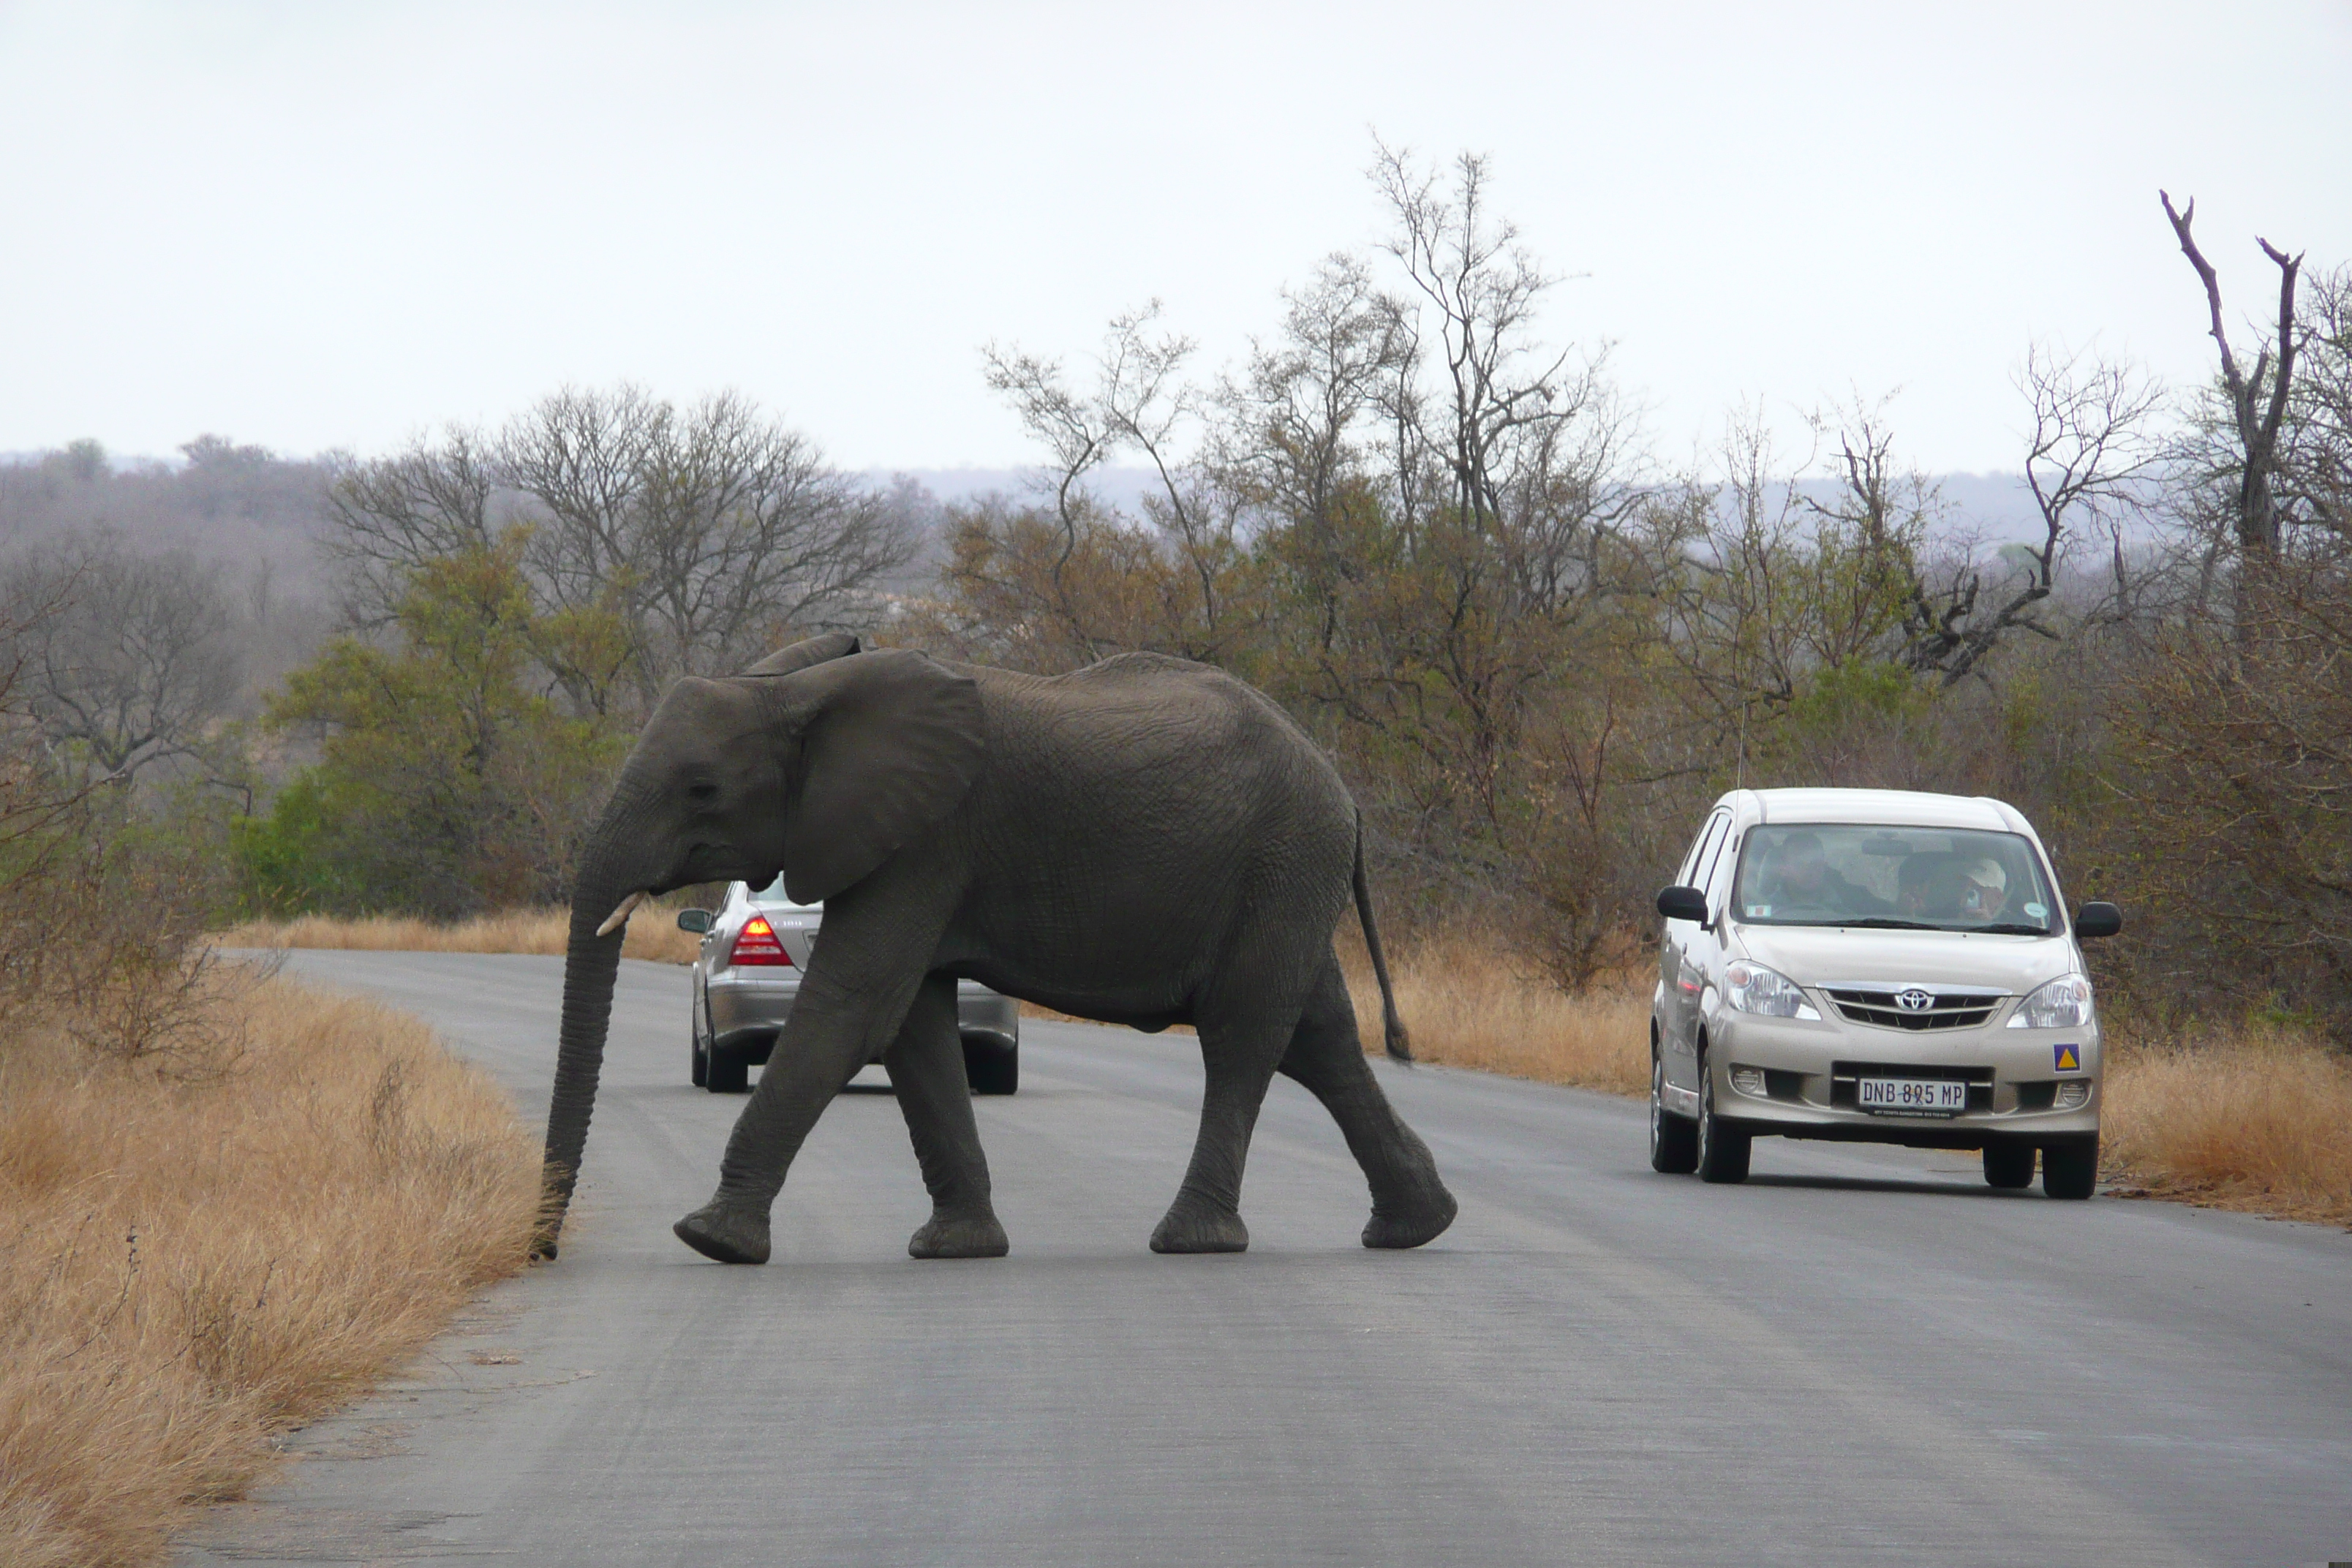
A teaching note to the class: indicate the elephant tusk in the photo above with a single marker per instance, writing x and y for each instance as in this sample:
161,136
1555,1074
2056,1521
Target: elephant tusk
620,917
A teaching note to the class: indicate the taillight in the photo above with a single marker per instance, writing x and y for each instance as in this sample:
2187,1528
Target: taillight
757,942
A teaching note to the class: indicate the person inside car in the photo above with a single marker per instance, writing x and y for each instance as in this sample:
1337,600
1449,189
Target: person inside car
1976,892
1801,876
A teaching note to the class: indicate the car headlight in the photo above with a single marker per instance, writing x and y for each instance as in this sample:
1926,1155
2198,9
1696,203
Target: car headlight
2063,1004
1752,988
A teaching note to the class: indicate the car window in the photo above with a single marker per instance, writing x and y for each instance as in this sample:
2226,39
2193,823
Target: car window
1941,879
1718,831
1695,866
773,897
1718,870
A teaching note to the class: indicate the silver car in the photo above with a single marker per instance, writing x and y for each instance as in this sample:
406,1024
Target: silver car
1878,966
748,975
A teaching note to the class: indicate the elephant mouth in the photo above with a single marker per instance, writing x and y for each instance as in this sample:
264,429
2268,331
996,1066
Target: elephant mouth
703,863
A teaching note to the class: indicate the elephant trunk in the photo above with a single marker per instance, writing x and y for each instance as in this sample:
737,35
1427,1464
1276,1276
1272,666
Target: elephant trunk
591,964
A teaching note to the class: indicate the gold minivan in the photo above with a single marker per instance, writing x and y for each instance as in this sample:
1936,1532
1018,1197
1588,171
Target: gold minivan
1877,967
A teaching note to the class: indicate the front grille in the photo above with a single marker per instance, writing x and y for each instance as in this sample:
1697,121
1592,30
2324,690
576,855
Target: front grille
1843,1076
1944,1011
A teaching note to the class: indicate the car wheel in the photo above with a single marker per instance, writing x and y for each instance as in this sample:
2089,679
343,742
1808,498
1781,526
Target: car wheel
726,1074
2070,1170
1723,1146
2009,1165
1674,1140
991,1068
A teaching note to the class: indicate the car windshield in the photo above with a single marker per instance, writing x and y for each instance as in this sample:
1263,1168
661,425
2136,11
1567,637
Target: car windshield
1927,879
773,897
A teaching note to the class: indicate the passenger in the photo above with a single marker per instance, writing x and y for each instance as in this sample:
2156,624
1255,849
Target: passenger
1976,892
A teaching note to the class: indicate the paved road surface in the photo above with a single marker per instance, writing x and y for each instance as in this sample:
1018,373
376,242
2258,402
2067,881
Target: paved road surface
1862,1356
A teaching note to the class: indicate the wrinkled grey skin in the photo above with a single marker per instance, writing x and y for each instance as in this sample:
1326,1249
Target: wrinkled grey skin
1146,841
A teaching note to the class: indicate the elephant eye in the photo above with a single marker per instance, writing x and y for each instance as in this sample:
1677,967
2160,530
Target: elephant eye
703,791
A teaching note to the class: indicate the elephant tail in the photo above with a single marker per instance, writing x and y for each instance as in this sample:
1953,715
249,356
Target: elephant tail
1391,1024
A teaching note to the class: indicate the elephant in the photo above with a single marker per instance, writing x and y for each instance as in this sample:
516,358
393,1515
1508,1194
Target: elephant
1144,841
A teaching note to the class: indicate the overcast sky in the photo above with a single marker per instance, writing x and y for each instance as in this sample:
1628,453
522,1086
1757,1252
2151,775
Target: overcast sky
317,225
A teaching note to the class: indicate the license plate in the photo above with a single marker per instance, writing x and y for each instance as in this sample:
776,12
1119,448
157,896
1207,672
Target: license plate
1912,1096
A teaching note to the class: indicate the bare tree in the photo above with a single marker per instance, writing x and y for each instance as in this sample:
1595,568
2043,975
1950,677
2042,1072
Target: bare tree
659,541
1539,450
389,516
125,660
708,530
2256,401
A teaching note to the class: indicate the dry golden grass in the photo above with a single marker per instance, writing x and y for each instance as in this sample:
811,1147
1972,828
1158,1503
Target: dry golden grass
190,1265
1467,1004
2260,1120
653,934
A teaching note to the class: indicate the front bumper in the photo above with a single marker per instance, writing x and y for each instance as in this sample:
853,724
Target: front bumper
749,1008
1809,1068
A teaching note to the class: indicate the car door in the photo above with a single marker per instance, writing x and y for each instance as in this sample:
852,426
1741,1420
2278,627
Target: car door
1682,964
1703,954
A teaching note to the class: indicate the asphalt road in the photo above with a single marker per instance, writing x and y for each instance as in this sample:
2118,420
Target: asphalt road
1861,1356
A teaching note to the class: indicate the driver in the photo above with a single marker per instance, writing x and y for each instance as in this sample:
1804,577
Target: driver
1802,875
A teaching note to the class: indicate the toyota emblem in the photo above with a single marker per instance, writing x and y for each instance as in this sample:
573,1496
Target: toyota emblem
1913,1000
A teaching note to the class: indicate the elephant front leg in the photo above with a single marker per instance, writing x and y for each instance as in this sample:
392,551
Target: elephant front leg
926,1065
831,1035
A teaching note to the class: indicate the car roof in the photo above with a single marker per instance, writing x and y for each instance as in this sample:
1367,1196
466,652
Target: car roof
1892,808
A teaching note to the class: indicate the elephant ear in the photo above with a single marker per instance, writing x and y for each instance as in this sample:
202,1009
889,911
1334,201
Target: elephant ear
889,742
801,654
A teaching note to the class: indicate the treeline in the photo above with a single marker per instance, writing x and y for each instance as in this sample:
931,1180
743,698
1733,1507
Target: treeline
1539,652
1536,649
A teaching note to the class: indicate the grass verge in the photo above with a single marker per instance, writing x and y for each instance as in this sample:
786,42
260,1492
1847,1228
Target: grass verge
194,1262
2258,1119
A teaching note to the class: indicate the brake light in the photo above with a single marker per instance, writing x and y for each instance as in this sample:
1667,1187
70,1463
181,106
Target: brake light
757,942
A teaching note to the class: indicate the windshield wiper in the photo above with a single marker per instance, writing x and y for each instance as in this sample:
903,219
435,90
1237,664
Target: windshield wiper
2011,928
1886,922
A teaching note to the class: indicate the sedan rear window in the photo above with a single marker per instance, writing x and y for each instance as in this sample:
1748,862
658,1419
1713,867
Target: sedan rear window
1926,879
773,897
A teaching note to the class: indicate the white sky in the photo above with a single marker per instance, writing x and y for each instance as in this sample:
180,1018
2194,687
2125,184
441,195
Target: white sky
333,225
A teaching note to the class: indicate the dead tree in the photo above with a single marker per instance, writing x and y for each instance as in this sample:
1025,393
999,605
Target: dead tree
2257,408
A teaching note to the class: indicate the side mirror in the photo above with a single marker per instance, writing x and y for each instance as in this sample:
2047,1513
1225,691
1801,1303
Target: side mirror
695,921
2098,920
1683,904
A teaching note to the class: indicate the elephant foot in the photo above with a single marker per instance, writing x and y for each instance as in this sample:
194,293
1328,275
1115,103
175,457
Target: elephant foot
976,1235
1411,1225
727,1232
1196,1224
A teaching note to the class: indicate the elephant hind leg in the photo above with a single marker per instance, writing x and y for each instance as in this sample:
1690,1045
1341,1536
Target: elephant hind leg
1410,1202
926,1064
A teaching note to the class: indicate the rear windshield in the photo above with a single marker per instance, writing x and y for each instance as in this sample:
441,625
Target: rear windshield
773,897
1935,878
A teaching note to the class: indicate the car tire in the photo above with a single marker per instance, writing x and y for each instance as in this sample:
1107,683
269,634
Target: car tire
1723,1144
2009,1165
726,1074
991,1068
1674,1140
2071,1170
698,1064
